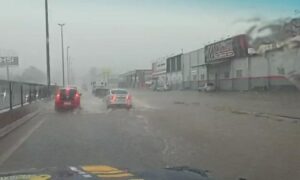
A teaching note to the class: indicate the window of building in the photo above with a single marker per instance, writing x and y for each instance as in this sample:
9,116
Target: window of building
179,63
194,77
226,75
202,77
168,65
281,70
239,73
173,64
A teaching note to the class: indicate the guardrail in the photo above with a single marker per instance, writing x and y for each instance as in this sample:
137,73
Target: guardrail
14,94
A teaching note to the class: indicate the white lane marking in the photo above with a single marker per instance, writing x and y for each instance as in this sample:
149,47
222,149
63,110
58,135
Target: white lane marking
73,168
87,176
18,143
84,174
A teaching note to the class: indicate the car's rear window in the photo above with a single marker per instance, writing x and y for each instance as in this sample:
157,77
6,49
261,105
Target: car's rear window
72,92
119,91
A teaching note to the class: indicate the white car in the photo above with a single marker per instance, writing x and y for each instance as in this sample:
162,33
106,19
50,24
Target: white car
207,87
118,98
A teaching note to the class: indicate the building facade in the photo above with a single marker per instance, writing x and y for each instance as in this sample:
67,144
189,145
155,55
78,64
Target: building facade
159,69
135,79
194,69
174,77
228,66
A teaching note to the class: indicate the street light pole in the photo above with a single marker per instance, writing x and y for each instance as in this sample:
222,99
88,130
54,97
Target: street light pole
62,53
47,48
7,72
68,65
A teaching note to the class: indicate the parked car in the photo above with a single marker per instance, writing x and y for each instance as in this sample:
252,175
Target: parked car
207,87
67,98
118,98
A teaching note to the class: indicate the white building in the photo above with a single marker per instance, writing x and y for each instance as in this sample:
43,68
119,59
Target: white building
228,65
194,69
174,72
159,76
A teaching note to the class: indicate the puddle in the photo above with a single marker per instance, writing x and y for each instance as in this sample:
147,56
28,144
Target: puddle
275,117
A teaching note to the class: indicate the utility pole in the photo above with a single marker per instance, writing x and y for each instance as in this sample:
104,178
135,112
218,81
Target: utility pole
47,48
7,72
68,65
62,53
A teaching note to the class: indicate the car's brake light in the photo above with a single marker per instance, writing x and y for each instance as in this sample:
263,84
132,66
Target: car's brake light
57,96
128,97
113,98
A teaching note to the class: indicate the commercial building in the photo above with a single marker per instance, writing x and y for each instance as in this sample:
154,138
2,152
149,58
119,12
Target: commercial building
174,71
224,61
194,69
135,79
229,66
159,76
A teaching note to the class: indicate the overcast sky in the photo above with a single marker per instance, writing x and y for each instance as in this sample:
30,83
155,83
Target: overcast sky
124,35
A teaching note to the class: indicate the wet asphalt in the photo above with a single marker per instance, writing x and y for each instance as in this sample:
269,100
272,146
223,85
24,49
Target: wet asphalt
230,134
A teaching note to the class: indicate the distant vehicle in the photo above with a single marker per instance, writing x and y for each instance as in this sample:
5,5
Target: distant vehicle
118,98
67,98
207,87
100,91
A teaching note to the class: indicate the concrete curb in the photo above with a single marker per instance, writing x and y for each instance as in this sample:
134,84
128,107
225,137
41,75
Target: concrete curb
9,128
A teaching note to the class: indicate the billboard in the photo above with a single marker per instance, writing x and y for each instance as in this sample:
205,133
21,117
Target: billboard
234,47
9,60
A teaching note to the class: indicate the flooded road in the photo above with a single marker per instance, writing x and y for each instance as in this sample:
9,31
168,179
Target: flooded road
231,138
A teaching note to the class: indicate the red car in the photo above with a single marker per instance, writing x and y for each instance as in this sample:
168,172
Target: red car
67,98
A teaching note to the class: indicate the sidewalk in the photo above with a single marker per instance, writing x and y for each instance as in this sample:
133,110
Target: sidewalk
9,117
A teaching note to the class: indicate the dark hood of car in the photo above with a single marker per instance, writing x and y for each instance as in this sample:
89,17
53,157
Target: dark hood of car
105,172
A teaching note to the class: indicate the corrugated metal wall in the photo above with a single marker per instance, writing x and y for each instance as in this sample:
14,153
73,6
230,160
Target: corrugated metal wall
264,71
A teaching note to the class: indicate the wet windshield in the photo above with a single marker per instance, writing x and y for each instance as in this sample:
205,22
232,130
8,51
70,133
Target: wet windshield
137,89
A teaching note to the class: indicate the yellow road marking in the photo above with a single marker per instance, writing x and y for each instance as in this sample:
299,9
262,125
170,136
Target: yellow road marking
103,171
99,168
41,177
108,172
115,175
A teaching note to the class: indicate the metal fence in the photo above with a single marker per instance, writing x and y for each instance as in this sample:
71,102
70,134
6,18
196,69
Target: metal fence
14,94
